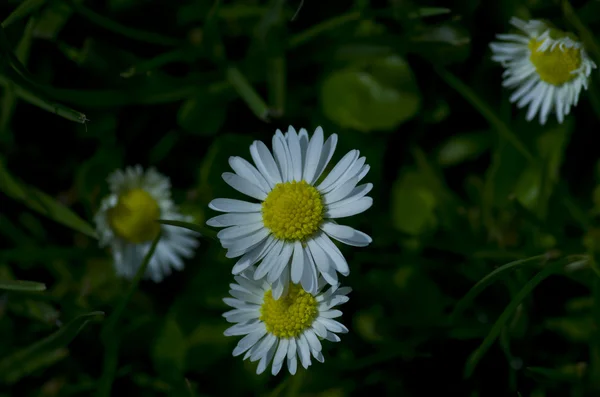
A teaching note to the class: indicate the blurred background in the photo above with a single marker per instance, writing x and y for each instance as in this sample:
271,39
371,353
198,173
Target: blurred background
464,187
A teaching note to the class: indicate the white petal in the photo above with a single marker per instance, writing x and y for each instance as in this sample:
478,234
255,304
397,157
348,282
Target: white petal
243,185
292,362
231,205
295,153
303,351
281,352
269,261
281,152
246,170
240,316
297,263
236,218
246,242
356,207
313,341
324,263
236,232
331,314
265,162
341,191
282,261
309,275
245,328
313,155
332,325
340,168
326,154
334,253
346,234
254,255
266,359
261,349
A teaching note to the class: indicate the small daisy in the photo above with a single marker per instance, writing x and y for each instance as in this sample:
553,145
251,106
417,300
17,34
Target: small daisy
289,230
126,221
547,67
281,330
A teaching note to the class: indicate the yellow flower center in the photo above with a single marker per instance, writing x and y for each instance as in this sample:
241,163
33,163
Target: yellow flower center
290,315
555,66
134,217
293,210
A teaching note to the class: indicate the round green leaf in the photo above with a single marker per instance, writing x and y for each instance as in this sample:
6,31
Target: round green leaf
380,96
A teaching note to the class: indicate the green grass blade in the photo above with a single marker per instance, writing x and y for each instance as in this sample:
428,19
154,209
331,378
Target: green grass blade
486,112
491,278
316,30
507,314
60,338
22,11
21,285
109,331
276,78
42,203
114,317
116,27
248,93
428,12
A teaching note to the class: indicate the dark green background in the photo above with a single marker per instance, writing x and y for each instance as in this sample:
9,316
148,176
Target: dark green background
463,186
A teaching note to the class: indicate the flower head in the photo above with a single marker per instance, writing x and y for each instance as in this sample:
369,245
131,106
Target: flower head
288,231
546,67
126,221
284,330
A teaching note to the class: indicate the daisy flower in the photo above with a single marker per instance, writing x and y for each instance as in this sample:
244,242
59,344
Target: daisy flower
289,230
126,222
546,67
288,329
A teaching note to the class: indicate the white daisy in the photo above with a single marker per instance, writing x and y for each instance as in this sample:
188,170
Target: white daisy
126,221
547,67
281,330
289,230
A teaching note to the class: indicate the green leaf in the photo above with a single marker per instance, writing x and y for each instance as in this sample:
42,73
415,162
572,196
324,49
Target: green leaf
491,278
19,285
23,10
507,314
42,203
61,338
413,206
464,147
378,96
169,351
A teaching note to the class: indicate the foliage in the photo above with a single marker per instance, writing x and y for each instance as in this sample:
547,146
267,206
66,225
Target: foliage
483,271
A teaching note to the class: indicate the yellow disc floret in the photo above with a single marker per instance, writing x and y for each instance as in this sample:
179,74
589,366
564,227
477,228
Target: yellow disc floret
555,66
134,217
289,316
293,210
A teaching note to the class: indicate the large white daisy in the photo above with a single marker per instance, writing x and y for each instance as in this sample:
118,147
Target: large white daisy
289,230
126,222
288,329
546,67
